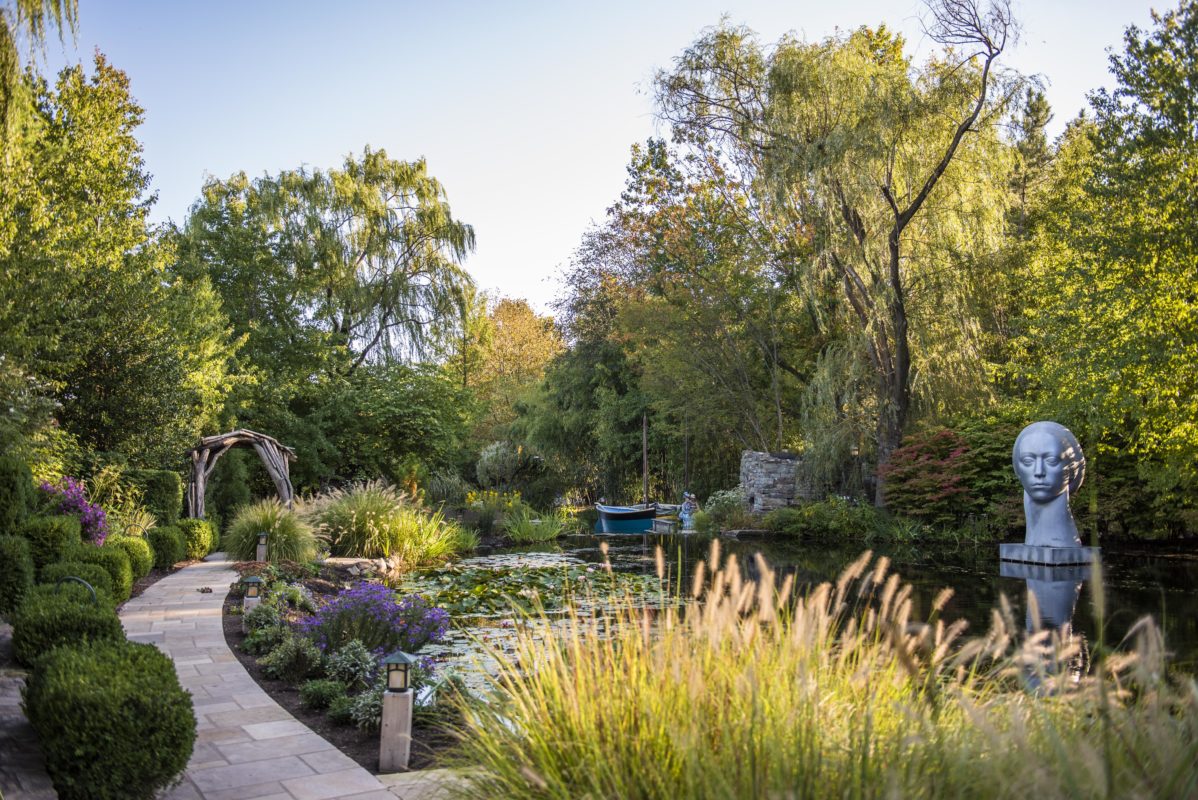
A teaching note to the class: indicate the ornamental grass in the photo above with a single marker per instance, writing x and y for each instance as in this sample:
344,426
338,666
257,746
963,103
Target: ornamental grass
374,520
524,525
745,690
289,536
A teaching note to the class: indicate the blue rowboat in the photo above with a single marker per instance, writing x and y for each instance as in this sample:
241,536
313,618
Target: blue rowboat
626,519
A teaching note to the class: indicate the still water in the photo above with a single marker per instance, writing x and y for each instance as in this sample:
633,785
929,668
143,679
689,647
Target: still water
1136,583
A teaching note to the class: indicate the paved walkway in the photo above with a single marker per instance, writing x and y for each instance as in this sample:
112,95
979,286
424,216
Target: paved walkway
247,745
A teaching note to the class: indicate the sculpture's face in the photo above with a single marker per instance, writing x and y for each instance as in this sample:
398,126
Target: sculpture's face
1042,465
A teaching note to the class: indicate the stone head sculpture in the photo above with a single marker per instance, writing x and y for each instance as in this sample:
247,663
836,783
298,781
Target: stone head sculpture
1049,463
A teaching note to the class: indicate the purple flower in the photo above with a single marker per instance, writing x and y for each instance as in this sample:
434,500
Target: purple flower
72,499
370,613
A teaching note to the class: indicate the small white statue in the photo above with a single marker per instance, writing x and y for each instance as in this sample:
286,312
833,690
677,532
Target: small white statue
1049,462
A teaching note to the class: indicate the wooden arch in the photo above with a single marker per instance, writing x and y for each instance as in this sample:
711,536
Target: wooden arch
276,457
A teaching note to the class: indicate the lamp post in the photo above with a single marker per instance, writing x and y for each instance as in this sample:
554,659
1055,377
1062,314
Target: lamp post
253,596
395,736
261,553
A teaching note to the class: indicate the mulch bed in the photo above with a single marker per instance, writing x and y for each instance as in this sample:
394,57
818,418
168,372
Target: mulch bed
430,742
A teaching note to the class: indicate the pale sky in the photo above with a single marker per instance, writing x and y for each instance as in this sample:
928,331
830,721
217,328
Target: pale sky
525,111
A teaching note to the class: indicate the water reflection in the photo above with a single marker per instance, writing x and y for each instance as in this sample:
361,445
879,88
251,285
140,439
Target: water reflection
1052,595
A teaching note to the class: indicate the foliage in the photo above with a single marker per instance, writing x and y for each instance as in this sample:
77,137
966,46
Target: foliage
199,537
511,468
929,478
835,518
95,575
292,660
70,497
353,665
112,720
51,538
114,561
137,549
367,710
263,615
371,614
53,621
135,356
524,525
341,710
1114,248
162,492
289,537
169,548
318,695
841,692
264,640
486,591
704,523
16,572
722,504
16,493
443,488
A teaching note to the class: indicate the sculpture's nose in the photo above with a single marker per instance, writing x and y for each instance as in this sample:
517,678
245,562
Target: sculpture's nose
1041,469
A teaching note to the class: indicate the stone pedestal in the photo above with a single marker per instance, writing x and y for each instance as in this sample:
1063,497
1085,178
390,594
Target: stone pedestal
395,737
1040,554
260,552
248,604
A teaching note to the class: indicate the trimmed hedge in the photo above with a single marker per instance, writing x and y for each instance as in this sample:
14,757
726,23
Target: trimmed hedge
141,557
51,538
16,493
112,720
199,537
94,574
115,561
161,493
169,548
16,572
71,590
38,627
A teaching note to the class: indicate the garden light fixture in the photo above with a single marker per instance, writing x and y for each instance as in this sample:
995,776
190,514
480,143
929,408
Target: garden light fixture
253,586
399,671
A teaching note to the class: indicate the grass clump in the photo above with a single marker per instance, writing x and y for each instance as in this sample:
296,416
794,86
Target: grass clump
289,536
374,520
524,525
748,691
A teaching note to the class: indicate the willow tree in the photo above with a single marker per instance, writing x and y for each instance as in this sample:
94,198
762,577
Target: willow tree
334,269
893,174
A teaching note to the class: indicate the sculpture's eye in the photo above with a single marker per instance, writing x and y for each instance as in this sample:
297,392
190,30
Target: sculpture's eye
1053,461
1027,461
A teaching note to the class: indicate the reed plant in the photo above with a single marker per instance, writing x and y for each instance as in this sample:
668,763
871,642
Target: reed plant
374,520
745,690
525,525
289,536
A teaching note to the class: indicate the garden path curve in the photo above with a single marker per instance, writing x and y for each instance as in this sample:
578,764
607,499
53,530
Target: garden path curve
247,746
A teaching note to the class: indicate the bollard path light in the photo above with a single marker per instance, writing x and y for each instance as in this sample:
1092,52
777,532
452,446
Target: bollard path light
399,671
262,537
253,586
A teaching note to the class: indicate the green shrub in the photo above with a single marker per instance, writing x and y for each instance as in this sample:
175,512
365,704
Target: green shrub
199,537
721,505
112,720
289,537
353,665
703,523
367,710
141,557
38,627
161,492
16,493
263,640
834,518
94,574
446,489
264,615
295,659
169,548
51,538
341,711
71,590
16,572
112,559
318,695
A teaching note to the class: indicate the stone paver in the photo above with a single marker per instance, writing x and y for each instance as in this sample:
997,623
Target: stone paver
247,746
22,768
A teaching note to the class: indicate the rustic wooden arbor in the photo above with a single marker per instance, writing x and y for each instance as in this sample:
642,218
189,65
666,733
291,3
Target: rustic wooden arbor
204,455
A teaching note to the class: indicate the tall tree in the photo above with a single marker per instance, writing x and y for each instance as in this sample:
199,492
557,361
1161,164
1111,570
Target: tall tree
888,169
25,20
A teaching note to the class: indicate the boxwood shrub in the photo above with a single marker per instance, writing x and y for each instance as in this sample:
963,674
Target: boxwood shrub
141,557
161,492
112,720
112,559
16,572
94,574
45,621
16,493
71,590
51,537
199,537
168,546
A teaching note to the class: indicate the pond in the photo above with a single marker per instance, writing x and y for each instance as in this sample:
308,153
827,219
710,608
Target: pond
1137,582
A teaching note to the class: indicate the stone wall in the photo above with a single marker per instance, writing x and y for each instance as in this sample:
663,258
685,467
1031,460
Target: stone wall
768,479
